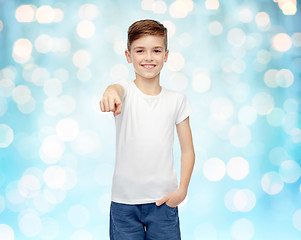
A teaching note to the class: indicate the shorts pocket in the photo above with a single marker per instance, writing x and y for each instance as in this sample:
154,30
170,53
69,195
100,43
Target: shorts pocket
170,206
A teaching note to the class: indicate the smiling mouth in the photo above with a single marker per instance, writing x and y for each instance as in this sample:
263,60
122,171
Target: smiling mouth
148,66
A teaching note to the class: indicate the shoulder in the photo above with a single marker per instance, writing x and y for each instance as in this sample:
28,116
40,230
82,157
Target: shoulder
176,96
173,93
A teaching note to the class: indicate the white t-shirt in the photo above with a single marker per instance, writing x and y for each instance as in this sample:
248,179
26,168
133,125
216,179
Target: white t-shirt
144,165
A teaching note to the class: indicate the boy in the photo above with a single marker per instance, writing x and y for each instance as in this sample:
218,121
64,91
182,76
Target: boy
145,193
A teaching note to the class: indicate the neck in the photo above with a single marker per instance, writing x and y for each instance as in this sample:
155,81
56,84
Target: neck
148,86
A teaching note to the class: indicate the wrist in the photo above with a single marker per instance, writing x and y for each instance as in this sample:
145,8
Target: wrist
183,190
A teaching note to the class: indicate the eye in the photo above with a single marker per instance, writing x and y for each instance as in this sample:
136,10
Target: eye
139,51
157,51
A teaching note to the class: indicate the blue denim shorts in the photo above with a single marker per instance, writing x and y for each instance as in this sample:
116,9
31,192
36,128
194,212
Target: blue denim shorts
144,222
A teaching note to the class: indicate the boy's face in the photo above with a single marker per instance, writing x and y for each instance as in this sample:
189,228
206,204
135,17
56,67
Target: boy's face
148,56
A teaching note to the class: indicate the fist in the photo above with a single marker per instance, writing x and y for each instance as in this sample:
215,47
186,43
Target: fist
111,102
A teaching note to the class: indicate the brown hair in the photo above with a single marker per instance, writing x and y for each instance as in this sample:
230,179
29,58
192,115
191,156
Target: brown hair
146,27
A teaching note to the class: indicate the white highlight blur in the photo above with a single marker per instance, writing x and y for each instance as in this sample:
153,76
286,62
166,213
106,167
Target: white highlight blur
55,177
221,108
6,135
180,8
6,232
201,82
282,42
22,50
25,13
85,29
175,61
263,102
214,169
30,223
239,135
272,183
237,168
67,129
242,229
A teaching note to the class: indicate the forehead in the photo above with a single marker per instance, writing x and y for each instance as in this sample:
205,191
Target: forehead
149,41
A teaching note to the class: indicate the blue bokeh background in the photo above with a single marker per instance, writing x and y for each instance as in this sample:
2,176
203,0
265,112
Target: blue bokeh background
239,64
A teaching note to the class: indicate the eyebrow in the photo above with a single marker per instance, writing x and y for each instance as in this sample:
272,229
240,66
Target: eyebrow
144,47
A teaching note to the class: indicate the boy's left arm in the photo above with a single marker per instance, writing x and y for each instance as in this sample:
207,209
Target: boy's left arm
187,162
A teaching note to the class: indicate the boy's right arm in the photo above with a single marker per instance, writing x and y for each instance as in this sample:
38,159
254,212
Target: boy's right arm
111,100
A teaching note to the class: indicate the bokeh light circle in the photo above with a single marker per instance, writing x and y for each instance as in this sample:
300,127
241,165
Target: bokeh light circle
215,28
52,87
6,232
285,78
180,9
178,81
22,50
247,115
6,135
88,11
297,39
244,200
7,86
30,223
85,29
239,135
281,42
44,43
221,108
78,215
297,220
67,129
236,37
263,102
54,177
53,147
159,7
25,13
81,58
171,27
272,183
291,105
242,229
175,61
263,21
245,15
214,169
201,82
237,168
289,171
27,107
45,14
270,78
21,94
29,186
240,200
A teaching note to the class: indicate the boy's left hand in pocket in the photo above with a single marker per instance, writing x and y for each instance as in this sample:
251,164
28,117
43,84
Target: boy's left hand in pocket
173,199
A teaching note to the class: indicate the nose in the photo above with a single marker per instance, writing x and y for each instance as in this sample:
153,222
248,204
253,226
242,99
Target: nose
148,56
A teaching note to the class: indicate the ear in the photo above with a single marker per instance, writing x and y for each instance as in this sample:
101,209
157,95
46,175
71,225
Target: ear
166,55
128,56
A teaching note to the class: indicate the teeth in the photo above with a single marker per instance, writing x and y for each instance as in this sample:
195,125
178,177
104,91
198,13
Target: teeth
149,66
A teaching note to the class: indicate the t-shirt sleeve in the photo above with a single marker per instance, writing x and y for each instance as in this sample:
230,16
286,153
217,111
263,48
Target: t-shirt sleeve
125,85
184,109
